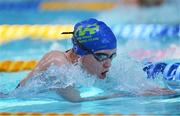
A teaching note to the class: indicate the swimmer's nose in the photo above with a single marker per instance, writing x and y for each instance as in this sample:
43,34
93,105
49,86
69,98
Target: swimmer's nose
107,63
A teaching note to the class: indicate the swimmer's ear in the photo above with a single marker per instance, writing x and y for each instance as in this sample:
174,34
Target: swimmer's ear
67,33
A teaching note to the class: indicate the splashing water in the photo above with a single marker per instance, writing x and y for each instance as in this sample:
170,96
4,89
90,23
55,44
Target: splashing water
56,77
125,75
130,77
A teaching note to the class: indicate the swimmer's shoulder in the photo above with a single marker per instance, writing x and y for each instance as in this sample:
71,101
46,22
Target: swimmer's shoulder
55,53
56,56
53,57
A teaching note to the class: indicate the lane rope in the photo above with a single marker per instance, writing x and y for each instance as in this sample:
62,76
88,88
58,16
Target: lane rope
15,66
58,114
45,32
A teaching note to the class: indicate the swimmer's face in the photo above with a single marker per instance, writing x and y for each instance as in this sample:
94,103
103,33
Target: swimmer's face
100,66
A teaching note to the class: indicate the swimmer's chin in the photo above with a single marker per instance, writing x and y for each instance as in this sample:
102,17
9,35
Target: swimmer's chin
102,76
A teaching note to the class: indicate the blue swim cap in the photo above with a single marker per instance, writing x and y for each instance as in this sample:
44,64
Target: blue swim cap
94,35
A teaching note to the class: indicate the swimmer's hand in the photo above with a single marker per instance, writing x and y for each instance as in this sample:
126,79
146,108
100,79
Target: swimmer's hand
69,93
73,95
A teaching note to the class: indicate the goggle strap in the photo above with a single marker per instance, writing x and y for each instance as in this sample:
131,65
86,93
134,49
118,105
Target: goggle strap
67,33
79,44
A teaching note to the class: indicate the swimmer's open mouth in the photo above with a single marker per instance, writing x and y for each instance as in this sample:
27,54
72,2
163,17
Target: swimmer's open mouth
104,74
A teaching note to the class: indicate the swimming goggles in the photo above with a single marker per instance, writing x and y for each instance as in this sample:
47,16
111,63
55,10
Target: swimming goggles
103,56
98,56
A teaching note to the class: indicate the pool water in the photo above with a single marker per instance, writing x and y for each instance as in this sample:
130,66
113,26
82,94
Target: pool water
124,105
126,73
124,69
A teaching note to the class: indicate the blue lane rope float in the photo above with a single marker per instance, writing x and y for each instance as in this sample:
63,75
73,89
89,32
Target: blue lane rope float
170,71
153,69
19,5
146,31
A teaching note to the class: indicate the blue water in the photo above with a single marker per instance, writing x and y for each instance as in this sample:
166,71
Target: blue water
44,17
50,102
142,105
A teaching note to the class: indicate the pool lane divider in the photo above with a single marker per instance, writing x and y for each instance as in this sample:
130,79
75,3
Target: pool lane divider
46,32
15,66
56,5
93,6
53,32
59,114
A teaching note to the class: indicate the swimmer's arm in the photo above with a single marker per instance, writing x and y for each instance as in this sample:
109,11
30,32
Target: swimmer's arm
102,97
51,57
158,91
69,93
73,95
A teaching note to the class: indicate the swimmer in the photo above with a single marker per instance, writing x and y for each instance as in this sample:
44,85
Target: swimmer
94,46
